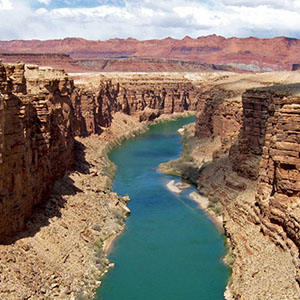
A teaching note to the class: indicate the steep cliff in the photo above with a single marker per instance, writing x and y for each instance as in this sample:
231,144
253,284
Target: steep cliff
278,192
256,184
37,141
146,96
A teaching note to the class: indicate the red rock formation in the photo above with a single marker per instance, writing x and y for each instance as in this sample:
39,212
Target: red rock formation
36,121
250,54
267,153
278,191
258,187
132,95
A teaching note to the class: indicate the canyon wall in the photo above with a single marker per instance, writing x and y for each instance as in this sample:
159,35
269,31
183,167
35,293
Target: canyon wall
268,154
144,96
268,151
41,111
255,183
36,142
278,194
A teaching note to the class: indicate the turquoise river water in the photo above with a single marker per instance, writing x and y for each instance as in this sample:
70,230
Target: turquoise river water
169,250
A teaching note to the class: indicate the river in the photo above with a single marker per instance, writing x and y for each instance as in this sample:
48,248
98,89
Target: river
169,250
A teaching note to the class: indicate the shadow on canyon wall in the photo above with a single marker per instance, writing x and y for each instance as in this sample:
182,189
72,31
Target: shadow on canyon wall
51,207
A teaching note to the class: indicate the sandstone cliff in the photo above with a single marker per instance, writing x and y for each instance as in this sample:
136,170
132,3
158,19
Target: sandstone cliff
256,182
37,141
147,96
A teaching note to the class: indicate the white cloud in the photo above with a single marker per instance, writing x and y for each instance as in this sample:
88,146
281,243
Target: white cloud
5,5
46,2
144,19
282,4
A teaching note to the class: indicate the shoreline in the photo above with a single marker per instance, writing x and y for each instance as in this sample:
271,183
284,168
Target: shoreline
202,201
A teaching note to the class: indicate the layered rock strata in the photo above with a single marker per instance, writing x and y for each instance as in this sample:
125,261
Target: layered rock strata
147,96
257,185
54,60
62,253
37,142
246,54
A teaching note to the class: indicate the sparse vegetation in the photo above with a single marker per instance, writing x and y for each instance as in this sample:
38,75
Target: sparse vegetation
229,257
98,246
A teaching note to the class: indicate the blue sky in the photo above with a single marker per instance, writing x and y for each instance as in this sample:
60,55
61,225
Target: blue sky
147,19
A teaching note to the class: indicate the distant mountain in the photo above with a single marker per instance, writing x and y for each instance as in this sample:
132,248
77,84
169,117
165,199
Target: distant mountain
248,54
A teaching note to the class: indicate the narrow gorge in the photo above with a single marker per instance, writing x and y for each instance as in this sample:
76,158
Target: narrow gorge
59,214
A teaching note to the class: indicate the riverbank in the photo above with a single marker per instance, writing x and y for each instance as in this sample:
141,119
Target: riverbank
201,200
63,252
193,159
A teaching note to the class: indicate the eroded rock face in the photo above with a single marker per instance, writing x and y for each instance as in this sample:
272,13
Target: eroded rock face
147,96
37,139
246,154
257,184
278,194
219,114
267,153
41,111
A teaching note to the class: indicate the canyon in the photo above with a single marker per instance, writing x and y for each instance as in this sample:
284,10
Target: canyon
58,212
207,52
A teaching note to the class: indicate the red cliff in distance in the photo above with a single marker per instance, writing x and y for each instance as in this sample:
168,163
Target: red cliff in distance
247,54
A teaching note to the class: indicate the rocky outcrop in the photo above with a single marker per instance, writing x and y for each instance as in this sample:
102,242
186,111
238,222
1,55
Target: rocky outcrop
278,193
219,115
247,153
37,141
61,254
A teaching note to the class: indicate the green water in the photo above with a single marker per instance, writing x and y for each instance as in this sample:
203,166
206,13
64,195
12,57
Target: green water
170,250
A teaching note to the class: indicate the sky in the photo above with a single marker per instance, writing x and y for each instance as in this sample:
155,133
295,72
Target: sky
147,19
